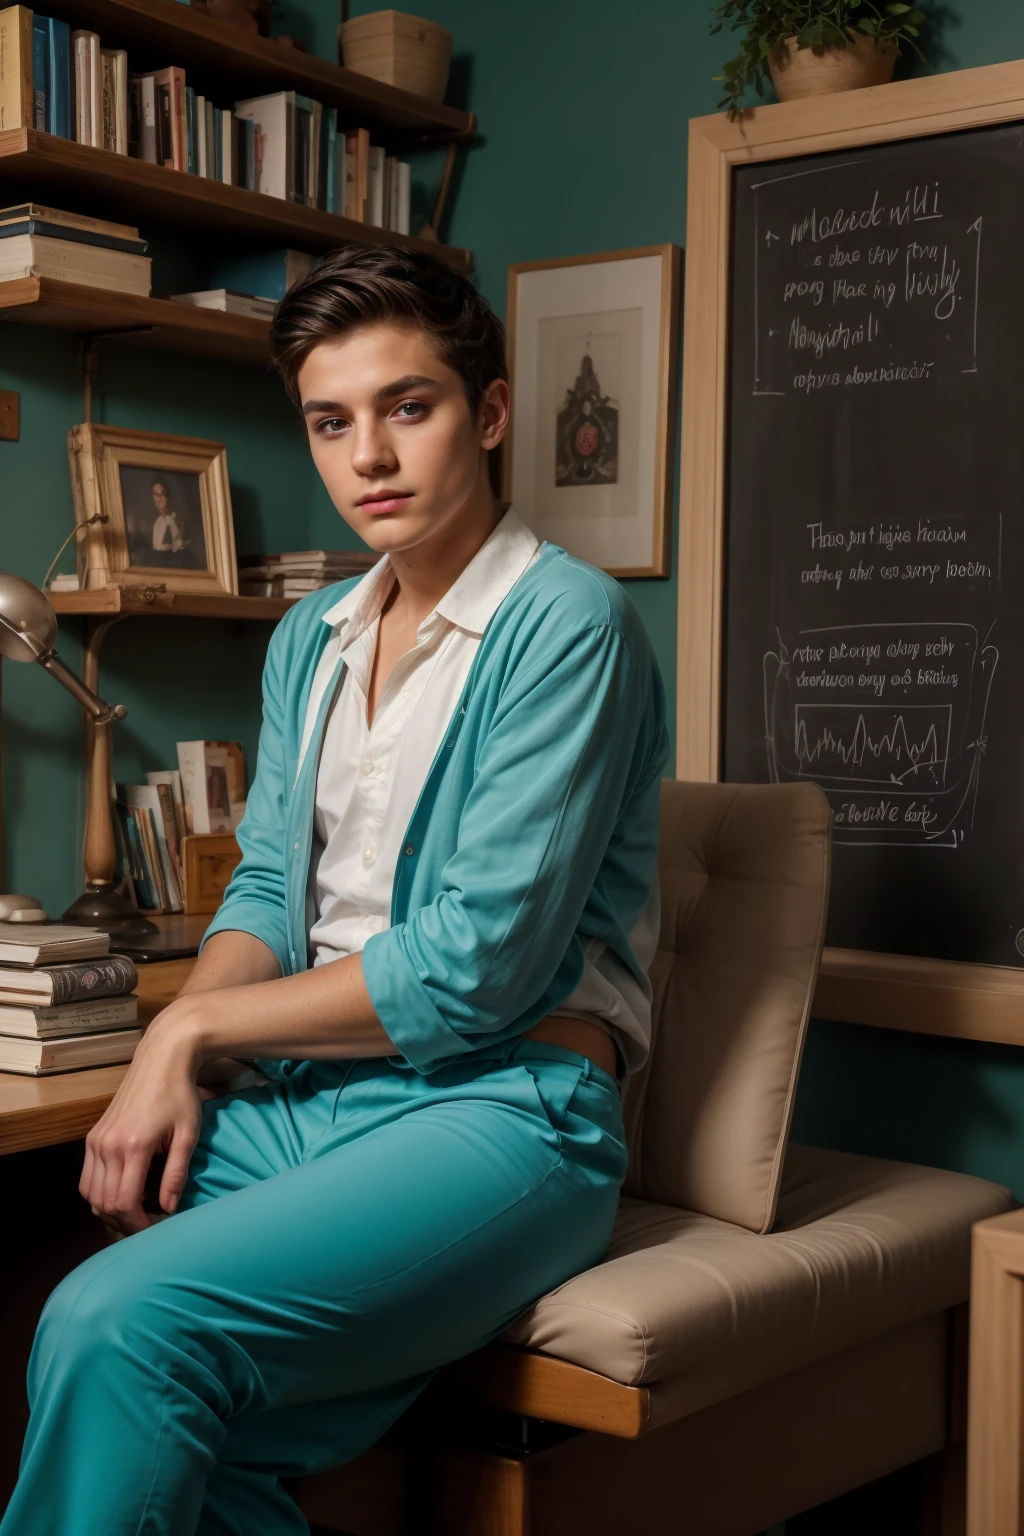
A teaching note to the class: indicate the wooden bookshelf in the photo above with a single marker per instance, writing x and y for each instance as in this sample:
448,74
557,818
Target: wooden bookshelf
45,168
155,323
232,63
115,602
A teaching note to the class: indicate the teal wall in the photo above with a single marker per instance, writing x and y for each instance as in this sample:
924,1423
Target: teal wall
583,113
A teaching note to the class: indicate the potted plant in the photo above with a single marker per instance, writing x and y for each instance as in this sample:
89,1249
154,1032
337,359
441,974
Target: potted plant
811,47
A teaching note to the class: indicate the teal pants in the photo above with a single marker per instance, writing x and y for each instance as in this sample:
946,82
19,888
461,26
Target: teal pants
344,1232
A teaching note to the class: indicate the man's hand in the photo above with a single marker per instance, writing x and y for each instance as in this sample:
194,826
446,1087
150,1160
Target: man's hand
155,1110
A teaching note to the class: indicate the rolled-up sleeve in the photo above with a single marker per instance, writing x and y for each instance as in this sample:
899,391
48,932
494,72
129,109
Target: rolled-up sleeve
568,745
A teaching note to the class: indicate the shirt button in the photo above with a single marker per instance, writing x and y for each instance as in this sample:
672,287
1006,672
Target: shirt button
409,851
366,769
369,853
296,847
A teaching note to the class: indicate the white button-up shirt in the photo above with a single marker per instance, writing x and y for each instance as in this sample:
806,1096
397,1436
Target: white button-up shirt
370,776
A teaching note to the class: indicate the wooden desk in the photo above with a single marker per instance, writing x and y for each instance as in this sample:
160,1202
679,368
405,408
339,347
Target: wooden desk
42,1111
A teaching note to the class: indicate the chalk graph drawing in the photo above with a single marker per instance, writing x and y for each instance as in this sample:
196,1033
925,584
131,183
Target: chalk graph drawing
896,772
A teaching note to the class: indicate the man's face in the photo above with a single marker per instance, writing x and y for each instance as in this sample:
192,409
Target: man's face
392,434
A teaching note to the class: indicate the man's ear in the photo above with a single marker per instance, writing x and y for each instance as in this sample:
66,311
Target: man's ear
494,413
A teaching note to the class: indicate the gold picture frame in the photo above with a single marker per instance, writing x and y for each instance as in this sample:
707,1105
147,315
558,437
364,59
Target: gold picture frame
965,1001
155,510
552,306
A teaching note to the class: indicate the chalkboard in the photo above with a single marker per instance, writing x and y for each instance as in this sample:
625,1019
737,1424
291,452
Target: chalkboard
873,634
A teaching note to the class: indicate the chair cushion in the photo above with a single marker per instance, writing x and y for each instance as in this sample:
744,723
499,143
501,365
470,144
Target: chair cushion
744,889
861,1248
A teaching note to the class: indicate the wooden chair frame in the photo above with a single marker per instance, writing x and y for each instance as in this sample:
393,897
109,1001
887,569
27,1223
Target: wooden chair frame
976,1002
995,1435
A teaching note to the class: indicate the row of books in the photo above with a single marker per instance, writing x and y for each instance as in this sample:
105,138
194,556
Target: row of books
72,248
283,144
65,1001
205,793
301,571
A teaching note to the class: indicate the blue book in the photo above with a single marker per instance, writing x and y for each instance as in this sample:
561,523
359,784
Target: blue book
58,95
265,274
331,119
40,72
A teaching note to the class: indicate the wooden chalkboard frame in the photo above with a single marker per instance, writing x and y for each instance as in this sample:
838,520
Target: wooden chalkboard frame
893,991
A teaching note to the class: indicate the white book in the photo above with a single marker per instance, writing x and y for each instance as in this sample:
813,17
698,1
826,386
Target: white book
48,943
272,116
40,1023
147,127
95,91
404,197
120,59
39,1058
67,261
205,786
227,300
201,135
83,91
375,201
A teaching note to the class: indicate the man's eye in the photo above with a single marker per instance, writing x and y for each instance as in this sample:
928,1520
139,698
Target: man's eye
332,426
411,410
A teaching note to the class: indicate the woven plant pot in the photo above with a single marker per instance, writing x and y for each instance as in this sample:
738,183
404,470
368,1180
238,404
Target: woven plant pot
798,72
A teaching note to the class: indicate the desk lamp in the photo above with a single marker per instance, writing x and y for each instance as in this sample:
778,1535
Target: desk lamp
28,631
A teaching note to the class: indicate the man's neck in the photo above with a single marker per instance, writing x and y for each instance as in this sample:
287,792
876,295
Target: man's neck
428,571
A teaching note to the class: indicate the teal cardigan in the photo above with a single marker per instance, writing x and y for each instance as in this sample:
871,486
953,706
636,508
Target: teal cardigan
535,833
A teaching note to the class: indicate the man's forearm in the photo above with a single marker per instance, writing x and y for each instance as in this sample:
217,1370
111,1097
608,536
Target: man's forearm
232,959
323,1013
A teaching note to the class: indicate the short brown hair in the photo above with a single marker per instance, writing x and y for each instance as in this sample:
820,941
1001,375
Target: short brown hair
359,285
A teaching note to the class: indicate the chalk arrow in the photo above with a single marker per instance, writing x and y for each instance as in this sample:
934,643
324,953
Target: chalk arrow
773,333
769,237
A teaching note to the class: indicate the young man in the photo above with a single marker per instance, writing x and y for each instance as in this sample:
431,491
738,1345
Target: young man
434,949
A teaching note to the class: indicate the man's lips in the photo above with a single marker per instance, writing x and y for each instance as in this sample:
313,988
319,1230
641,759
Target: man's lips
384,501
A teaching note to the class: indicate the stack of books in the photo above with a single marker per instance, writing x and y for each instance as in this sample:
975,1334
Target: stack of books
205,793
302,571
230,301
284,144
73,248
65,1001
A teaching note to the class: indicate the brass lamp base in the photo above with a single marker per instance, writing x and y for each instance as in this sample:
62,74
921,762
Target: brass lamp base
99,906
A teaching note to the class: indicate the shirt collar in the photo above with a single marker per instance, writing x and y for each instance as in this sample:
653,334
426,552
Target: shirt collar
470,600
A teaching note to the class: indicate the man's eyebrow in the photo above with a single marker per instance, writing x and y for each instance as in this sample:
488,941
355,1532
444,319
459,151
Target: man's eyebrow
386,392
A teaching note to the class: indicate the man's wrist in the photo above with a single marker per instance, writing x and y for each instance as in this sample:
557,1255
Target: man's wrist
183,1031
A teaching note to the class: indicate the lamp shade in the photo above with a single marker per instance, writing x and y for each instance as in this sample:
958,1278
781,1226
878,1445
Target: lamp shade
28,624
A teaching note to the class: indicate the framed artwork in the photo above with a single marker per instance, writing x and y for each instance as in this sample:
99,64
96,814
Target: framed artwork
592,364
156,510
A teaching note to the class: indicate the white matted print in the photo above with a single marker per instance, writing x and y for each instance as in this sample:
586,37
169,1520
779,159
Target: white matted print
592,362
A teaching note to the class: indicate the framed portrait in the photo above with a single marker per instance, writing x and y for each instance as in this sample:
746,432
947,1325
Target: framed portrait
156,510
592,364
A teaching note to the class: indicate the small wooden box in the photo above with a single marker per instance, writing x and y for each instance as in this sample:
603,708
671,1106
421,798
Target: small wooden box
399,49
207,861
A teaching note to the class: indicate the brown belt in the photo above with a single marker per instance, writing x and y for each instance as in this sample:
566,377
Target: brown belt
577,1035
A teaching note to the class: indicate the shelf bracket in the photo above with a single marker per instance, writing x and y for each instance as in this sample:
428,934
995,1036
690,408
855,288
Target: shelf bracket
91,359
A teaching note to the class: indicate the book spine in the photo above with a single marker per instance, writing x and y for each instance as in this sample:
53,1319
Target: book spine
331,171
179,148
211,142
77,983
120,101
40,72
95,92
149,147
201,166
135,117
191,133
17,108
58,96
163,123
144,889
108,136
404,196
